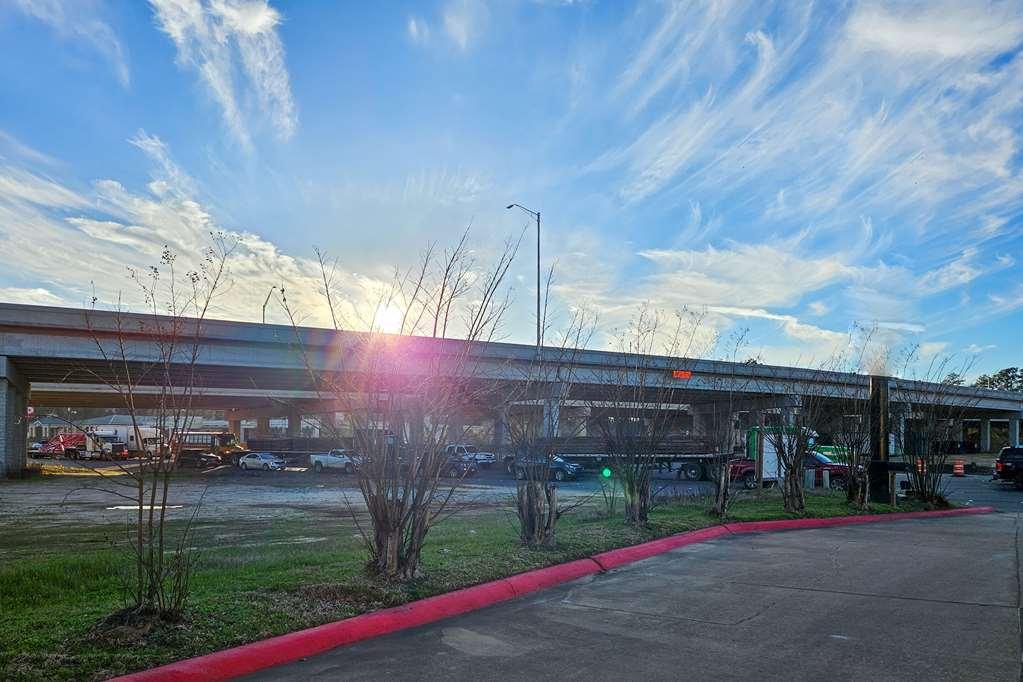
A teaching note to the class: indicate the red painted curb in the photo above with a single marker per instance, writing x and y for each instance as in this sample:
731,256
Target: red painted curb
249,658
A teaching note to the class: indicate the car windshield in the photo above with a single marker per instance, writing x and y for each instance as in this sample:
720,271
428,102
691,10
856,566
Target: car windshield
824,459
471,449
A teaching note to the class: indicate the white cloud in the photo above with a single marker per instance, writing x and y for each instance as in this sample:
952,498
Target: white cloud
103,232
461,22
759,275
418,31
889,137
930,349
18,186
932,29
79,20
211,35
30,296
974,349
10,145
819,308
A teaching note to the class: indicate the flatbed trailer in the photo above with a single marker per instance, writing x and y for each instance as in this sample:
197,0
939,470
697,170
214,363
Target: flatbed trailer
296,450
691,457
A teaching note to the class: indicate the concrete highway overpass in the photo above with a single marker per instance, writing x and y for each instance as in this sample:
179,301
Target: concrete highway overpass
57,357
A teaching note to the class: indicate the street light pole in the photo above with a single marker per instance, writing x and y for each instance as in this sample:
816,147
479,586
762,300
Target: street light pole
268,295
535,214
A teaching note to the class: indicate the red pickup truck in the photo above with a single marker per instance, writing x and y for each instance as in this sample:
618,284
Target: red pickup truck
838,474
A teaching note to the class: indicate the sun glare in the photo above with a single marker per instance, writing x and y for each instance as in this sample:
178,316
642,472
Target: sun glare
388,319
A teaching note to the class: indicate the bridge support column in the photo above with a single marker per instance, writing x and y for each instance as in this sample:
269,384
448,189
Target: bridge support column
985,435
500,428
263,426
13,422
235,427
552,410
294,424
1014,431
456,428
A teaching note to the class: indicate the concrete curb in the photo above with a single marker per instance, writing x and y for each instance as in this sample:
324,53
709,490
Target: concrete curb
249,658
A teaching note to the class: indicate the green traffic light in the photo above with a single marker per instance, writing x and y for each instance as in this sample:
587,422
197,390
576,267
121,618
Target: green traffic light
606,472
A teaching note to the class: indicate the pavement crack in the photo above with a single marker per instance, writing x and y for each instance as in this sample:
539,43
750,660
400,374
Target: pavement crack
646,614
875,595
1019,601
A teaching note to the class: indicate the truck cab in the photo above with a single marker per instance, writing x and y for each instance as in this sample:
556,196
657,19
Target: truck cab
338,458
1009,466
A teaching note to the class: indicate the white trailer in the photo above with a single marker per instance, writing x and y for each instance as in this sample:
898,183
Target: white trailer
103,440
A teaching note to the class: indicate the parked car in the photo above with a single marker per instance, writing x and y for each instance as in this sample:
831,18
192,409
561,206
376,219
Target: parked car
198,460
744,470
1009,466
261,460
838,474
557,468
458,465
345,460
484,460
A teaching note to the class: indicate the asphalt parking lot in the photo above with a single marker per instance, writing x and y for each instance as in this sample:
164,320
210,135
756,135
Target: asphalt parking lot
933,599
228,493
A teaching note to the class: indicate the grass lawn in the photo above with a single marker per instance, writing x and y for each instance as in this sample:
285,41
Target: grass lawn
256,581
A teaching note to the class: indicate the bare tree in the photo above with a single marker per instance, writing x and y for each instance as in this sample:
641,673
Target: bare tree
849,421
404,394
802,410
534,407
926,418
150,361
640,410
717,419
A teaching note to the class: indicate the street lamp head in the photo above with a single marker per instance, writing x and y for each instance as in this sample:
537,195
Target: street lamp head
510,206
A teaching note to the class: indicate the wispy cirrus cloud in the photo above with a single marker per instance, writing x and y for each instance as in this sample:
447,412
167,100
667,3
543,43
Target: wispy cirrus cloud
461,23
221,39
862,161
106,229
81,21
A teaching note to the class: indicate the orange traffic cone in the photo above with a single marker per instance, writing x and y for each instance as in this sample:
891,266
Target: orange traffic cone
958,469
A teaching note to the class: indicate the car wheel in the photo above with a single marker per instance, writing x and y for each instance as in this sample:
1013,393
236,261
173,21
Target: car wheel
349,468
318,467
244,466
838,483
559,475
692,471
749,481
266,467
1019,482
509,466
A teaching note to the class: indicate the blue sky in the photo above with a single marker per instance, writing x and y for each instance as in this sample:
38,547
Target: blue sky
795,169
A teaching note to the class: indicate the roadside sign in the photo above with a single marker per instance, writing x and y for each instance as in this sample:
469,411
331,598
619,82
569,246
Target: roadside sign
30,412
681,374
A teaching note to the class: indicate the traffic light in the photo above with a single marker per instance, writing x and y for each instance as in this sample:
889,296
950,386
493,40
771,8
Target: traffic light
606,472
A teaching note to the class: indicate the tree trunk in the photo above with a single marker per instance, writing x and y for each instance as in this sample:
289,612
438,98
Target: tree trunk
721,499
538,514
637,499
792,491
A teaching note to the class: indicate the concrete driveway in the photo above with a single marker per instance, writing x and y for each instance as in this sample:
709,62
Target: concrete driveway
919,600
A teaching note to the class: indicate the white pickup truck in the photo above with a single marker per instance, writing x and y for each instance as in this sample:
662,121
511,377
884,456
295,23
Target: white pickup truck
470,453
344,460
